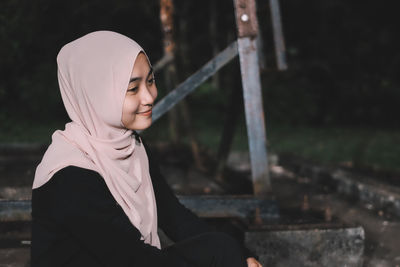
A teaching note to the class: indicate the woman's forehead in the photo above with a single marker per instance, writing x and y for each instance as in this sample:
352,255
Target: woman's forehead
141,66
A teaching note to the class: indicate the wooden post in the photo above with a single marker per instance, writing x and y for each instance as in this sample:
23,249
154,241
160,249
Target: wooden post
247,25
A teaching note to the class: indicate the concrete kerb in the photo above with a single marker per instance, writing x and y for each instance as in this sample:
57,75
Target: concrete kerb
320,246
365,189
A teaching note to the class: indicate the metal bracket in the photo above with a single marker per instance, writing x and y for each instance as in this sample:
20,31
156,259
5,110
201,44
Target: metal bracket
246,18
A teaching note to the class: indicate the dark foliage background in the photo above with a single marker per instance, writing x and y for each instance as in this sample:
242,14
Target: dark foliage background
344,63
32,33
343,55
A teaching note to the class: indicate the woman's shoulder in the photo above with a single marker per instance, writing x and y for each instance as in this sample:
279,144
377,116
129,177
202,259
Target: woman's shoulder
75,172
72,191
72,177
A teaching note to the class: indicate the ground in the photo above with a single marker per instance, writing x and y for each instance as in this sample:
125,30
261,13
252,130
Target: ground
299,199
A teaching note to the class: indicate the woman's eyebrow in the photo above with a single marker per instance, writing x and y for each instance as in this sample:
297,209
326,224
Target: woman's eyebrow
134,79
150,71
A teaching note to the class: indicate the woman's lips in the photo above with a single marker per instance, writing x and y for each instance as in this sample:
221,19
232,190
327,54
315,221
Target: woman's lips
145,113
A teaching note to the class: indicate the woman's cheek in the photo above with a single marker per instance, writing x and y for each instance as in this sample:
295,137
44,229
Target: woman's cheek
155,93
134,104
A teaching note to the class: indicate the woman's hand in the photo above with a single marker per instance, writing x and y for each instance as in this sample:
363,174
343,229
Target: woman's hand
252,262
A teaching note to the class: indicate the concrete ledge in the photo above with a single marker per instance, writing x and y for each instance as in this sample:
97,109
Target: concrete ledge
15,210
380,196
314,246
361,187
241,206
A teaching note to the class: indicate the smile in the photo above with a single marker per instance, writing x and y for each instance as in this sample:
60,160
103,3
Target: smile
145,113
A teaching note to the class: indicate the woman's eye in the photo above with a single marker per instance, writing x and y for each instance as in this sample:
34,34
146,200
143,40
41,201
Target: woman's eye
151,81
134,89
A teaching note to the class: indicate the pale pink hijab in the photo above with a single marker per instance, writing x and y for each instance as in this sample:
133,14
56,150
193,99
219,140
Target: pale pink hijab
93,75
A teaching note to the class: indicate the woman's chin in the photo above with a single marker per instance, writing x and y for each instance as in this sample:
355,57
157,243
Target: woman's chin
141,126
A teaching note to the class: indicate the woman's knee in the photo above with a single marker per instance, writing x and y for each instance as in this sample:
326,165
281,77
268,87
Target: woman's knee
211,249
227,250
223,242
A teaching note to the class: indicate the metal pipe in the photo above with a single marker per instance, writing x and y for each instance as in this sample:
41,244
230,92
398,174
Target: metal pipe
280,50
195,80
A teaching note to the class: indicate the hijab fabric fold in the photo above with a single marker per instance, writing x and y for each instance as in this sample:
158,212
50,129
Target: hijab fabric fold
93,76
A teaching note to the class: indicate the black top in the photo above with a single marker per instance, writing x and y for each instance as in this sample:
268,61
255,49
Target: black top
77,222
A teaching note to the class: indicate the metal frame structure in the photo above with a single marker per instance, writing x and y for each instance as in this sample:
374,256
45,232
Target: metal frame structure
246,48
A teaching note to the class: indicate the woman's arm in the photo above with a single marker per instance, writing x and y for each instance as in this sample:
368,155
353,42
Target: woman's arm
177,221
83,206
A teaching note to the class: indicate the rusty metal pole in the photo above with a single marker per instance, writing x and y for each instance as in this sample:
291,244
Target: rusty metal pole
247,25
279,41
171,79
167,25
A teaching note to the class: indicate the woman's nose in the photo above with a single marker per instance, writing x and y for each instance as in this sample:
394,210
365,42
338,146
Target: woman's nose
146,96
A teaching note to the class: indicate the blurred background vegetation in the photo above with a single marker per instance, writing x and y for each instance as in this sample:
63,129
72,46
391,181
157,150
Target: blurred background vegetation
336,104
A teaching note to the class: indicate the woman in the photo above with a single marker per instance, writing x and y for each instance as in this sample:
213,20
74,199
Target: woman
97,198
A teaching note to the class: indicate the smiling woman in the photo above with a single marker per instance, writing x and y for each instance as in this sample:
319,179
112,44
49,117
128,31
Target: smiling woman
140,96
98,196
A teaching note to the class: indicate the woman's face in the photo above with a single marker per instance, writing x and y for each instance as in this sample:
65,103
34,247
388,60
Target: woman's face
140,95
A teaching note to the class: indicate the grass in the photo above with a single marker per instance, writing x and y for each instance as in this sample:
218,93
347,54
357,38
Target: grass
23,131
373,149
360,148
363,148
